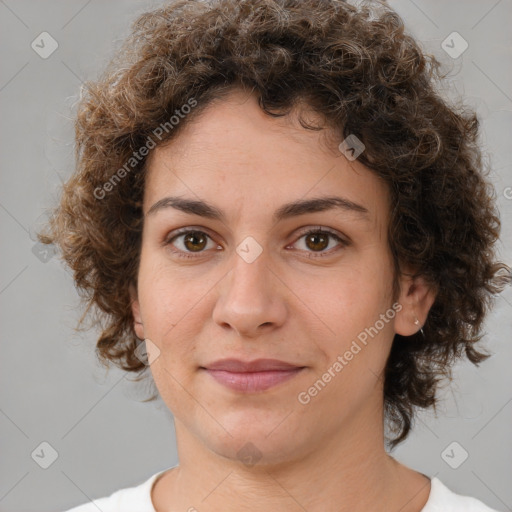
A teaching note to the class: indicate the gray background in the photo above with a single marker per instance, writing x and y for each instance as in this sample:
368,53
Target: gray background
52,388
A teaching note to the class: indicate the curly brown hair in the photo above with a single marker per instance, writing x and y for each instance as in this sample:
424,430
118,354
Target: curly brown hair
358,69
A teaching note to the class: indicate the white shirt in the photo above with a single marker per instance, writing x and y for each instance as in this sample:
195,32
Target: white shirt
138,499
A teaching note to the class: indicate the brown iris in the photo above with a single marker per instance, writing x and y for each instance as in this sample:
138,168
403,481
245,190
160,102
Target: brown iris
191,241
314,237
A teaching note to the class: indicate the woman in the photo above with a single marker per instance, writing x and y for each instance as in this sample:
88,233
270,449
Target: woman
273,197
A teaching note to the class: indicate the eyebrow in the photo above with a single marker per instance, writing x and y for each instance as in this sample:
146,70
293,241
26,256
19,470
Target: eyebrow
288,210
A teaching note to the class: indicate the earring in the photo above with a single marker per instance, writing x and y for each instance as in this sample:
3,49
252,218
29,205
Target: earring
417,322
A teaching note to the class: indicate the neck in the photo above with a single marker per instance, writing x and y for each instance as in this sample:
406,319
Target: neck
351,473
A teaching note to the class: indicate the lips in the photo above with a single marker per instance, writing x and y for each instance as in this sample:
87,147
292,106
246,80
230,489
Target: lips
251,376
258,365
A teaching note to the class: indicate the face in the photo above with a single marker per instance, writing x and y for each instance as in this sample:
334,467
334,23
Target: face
252,284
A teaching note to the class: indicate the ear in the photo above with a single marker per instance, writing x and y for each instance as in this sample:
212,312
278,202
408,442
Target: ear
137,319
416,298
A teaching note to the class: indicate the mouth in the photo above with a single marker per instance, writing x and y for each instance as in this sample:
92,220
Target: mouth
251,376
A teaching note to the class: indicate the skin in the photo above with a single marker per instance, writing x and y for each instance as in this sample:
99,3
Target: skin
284,305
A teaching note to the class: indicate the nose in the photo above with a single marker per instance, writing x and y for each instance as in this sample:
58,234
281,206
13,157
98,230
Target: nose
252,298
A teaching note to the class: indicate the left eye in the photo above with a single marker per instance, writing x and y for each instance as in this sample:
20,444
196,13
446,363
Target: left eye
318,240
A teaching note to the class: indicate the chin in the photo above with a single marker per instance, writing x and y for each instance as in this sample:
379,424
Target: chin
257,441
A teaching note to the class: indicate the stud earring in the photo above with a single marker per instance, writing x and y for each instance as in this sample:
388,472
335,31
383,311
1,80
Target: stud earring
417,322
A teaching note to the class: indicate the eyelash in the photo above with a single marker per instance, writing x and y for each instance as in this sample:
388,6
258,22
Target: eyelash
187,255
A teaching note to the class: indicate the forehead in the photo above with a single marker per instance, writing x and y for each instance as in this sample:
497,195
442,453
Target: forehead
236,156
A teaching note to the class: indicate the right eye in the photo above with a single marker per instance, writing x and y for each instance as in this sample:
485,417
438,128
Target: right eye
191,241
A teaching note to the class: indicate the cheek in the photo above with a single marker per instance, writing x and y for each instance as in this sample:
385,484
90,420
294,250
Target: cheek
351,304
166,295
353,293
172,310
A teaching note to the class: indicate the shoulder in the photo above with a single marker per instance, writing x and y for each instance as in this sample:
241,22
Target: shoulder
128,499
442,499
